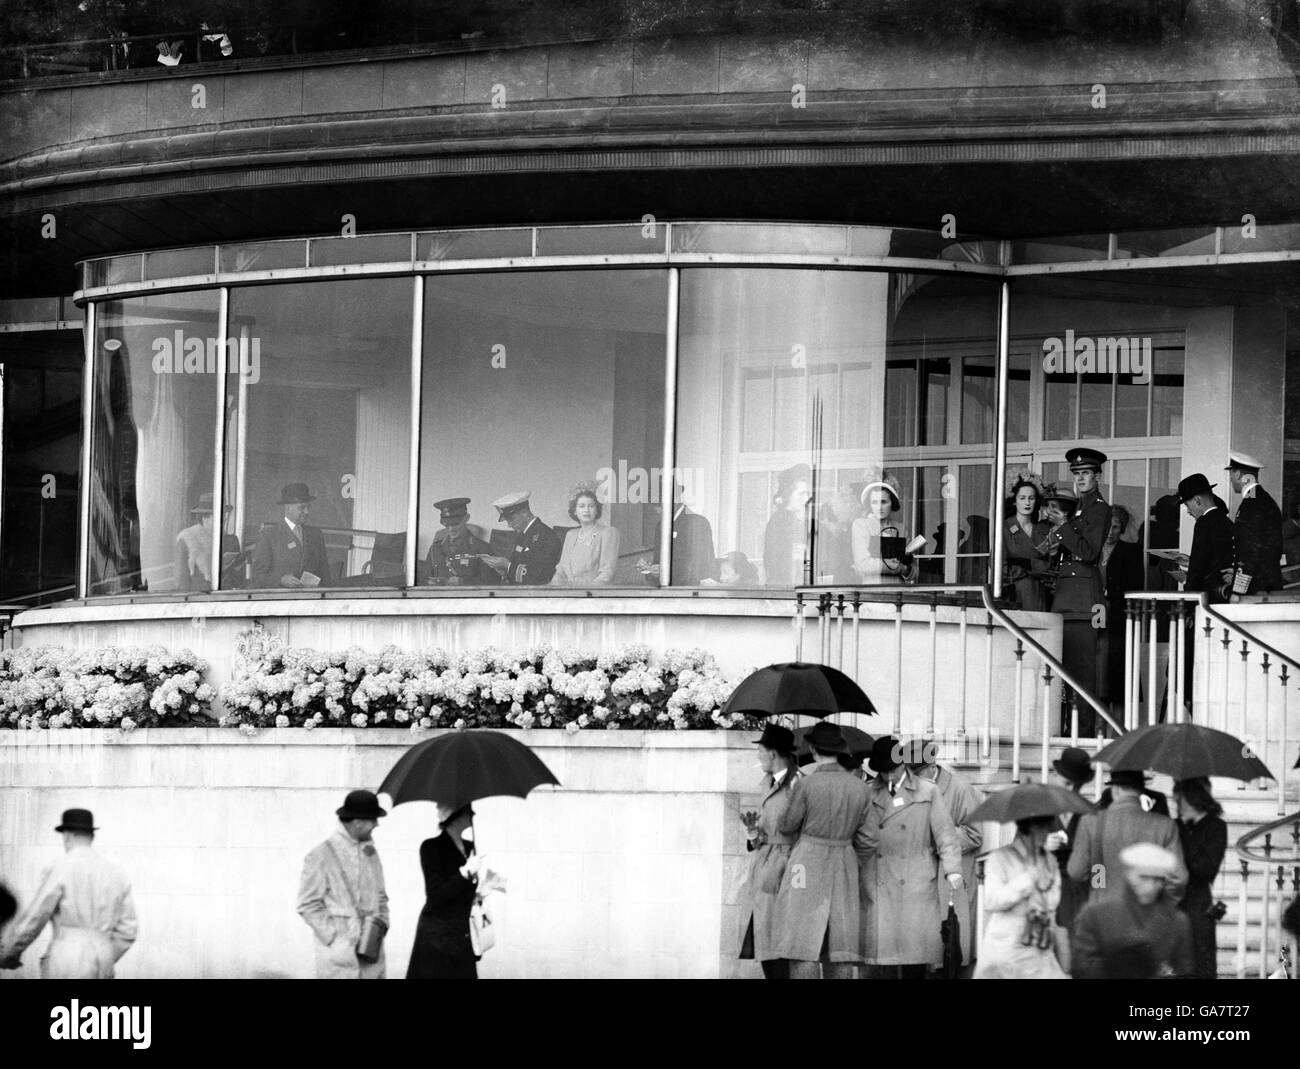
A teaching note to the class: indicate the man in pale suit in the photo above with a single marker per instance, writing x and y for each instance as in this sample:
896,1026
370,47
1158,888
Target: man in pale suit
343,884
289,548
87,900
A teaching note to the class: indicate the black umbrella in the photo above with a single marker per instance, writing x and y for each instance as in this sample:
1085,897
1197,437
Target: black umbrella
1184,751
950,933
463,766
798,687
1029,800
859,742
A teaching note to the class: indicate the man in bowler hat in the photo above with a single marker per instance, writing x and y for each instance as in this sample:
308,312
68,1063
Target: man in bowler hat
456,555
88,902
288,552
1257,530
1211,552
912,850
1094,863
537,548
342,885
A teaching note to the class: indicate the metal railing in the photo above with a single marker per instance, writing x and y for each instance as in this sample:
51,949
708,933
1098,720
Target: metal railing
1271,863
840,644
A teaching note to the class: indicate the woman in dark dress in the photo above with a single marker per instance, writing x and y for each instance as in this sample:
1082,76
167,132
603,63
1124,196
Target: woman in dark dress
785,541
1204,838
442,948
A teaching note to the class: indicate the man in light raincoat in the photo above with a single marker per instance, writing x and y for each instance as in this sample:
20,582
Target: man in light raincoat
88,902
343,884
816,914
909,837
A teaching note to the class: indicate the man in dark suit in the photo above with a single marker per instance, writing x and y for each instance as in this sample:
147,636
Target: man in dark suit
288,549
456,556
537,548
1257,530
1211,538
693,557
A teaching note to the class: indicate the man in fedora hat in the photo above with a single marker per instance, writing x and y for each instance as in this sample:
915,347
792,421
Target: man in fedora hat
456,554
88,902
1257,530
342,886
1137,933
1094,864
909,837
194,551
288,552
816,911
1072,770
537,548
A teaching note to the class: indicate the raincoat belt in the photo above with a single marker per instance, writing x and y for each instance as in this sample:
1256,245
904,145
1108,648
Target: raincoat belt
824,842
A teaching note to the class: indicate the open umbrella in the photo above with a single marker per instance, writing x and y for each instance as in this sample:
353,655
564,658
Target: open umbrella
463,766
798,687
1029,800
1184,751
859,742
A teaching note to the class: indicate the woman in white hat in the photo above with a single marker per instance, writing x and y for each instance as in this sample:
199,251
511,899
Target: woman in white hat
879,539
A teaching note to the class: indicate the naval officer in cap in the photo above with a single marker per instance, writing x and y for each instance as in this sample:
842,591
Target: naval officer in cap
1257,531
1078,543
456,556
537,548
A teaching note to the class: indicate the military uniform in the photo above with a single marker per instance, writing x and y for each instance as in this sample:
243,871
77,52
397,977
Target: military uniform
537,548
1257,531
451,556
1077,544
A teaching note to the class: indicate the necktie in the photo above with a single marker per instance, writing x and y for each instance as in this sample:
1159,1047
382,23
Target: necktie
893,790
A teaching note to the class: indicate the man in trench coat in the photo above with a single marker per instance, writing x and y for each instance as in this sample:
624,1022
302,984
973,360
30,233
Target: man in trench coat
909,836
961,798
87,900
816,913
342,884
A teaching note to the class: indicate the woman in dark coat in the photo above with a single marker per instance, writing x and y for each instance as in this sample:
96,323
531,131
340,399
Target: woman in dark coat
1025,564
442,948
785,541
1204,838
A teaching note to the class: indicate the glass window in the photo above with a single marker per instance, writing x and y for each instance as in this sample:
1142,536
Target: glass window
1018,378
41,375
153,416
264,255
978,399
318,438
475,244
176,263
541,383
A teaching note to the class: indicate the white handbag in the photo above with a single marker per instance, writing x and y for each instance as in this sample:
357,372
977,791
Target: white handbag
482,932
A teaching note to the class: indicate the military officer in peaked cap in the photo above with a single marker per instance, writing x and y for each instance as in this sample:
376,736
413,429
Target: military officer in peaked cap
1257,531
456,556
1078,543
537,548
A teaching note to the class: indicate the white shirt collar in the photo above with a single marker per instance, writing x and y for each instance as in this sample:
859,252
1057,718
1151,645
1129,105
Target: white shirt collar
290,524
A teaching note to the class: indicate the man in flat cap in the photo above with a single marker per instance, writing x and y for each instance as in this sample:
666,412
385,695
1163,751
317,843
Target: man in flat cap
342,898
1080,518
1257,531
911,860
88,902
288,552
537,548
1138,933
817,923
456,555
1094,863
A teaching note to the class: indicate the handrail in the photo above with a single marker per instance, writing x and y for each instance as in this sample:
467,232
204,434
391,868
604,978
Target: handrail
1024,636
1244,851
1212,612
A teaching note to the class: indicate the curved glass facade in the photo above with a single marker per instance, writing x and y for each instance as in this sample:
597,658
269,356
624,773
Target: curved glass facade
818,403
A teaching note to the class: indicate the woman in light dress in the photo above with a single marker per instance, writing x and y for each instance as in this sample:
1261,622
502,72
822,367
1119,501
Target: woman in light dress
869,534
1022,886
590,552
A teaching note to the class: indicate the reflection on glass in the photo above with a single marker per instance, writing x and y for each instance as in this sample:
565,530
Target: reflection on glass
975,483
1060,407
318,434
1018,379
546,384
152,420
978,399
1167,392
42,451
1094,406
